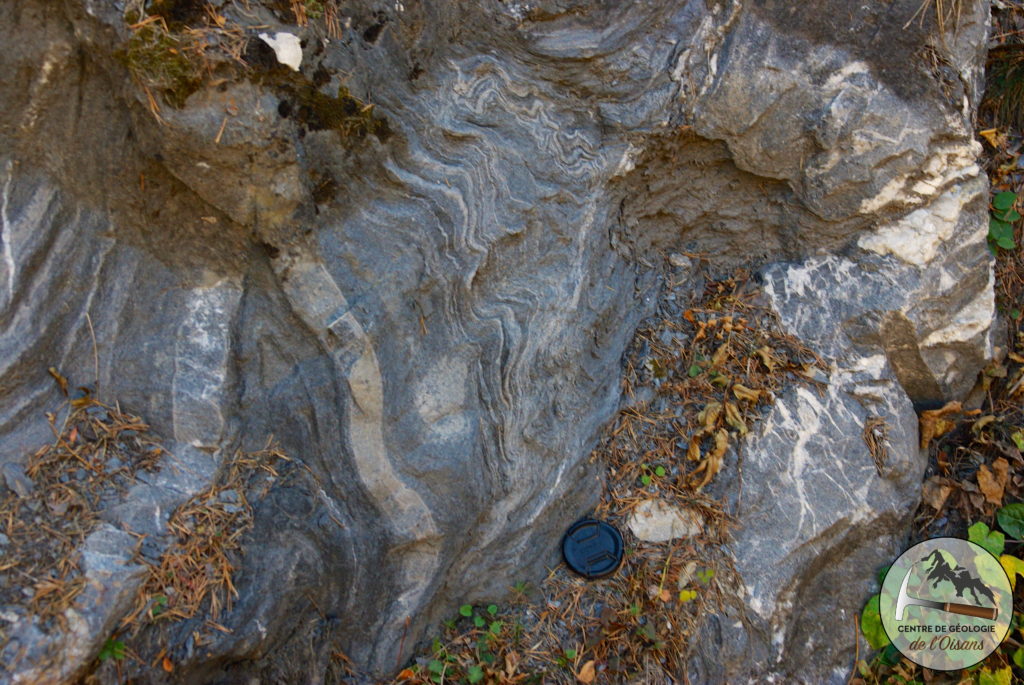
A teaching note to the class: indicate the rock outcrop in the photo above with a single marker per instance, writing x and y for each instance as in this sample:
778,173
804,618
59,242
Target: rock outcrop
426,301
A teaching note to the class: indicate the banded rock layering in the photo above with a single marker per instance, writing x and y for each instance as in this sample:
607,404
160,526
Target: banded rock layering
426,301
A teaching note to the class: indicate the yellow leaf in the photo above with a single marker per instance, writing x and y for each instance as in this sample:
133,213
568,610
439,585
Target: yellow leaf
1013,567
742,392
1003,676
687,595
587,673
992,136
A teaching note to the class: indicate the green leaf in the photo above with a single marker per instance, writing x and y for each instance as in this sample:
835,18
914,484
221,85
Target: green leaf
694,371
479,622
495,627
660,471
871,625
1010,215
705,575
475,674
570,654
1006,243
492,609
645,479
1018,440
998,229
466,610
1015,314
890,655
1011,518
882,571
1018,657
1004,200
435,666
112,649
991,540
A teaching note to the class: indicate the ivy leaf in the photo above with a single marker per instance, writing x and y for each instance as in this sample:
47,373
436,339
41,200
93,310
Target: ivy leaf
1011,519
999,230
991,540
1004,200
492,609
871,625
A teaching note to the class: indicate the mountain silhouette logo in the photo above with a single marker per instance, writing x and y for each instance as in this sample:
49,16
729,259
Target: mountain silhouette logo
959,577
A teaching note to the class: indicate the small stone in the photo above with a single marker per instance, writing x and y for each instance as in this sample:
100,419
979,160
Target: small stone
657,521
679,261
4,540
16,479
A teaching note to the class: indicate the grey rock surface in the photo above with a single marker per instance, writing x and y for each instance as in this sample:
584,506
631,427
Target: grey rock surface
432,320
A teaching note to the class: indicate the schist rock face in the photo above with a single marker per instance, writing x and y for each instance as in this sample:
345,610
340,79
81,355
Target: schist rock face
426,301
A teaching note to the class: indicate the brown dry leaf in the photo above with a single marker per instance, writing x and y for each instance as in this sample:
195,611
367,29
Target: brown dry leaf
720,355
978,425
734,419
693,451
713,463
168,666
1015,357
933,422
61,380
587,673
665,596
765,353
511,663
1001,467
742,392
992,482
708,416
990,485
935,492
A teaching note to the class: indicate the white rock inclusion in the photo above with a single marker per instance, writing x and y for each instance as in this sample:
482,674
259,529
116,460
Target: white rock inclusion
657,521
916,238
286,46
